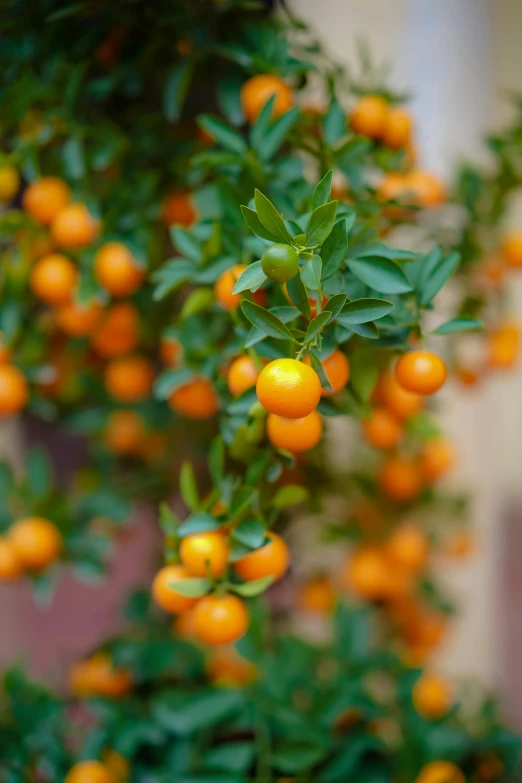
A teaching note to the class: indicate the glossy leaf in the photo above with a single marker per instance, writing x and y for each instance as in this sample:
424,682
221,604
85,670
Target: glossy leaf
321,223
268,323
271,219
381,274
251,278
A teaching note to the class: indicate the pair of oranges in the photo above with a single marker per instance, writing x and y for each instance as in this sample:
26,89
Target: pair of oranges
374,117
32,544
97,676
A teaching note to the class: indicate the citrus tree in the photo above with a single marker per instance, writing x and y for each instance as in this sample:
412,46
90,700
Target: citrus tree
202,279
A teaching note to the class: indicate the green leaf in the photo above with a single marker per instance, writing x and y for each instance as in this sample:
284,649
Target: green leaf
381,274
197,301
168,520
251,589
361,311
194,587
292,757
171,276
364,374
186,243
334,249
175,89
256,226
334,124
368,330
459,325
188,486
323,191
318,367
437,273
73,158
223,134
169,380
197,523
216,459
261,126
392,253
271,219
250,532
277,133
335,304
243,498
290,495
311,273
315,326
39,473
252,277
184,712
265,321
321,223
297,293
231,757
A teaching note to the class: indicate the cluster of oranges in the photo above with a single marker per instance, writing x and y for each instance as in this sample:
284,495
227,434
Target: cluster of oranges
220,617
98,677
31,545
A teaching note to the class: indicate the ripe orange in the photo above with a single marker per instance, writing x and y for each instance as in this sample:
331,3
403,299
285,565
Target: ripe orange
36,542
427,189
400,479
242,375
125,432
9,183
171,351
337,368
74,227
392,396
78,320
226,668
382,430
116,764
317,596
440,772
90,772
408,548
294,435
10,565
369,115
512,249
432,696
165,596
224,286
53,279
436,459
97,676
129,378
397,128
117,332
421,372
288,388
45,198
14,392
204,553
272,559
503,347
178,209
256,92
367,573
116,270
220,619
196,399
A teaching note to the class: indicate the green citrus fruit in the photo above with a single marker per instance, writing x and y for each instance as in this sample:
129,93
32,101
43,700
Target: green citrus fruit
280,263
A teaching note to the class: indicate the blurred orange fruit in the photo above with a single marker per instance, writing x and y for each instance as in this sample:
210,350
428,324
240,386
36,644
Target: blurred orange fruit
116,269
294,435
129,378
272,559
53,279
36,542
74,227
256,92
196,399
45,198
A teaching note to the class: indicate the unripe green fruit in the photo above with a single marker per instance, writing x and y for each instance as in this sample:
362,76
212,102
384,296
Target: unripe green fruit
280,263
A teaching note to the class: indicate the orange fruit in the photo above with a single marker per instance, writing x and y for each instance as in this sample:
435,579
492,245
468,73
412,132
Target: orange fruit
369,115
437,457
78,320
129,378
503,347
432,696
45,198
74,227
14,392
421,372
53,279
397,128
166,596
204,553
440,772
5,351
10,565
117,331
317,596
367,573
257,91
408,548
178,209
36,542
171,351
294,435
392,396
288,388
116,270
337,368
400,479
90,772
427,189
220,619
97,676
272,559
196,399
225,667
242,375
116,764
224,286
9,183
125,432
512,249
382,430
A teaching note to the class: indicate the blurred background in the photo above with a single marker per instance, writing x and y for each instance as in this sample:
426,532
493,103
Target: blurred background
459,59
